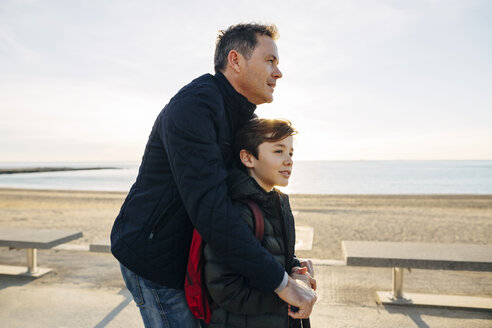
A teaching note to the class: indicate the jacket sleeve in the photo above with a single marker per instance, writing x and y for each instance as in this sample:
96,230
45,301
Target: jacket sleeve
295,262
232,291
189,133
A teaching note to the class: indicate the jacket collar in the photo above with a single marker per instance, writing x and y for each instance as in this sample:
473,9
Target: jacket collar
233,100
241,186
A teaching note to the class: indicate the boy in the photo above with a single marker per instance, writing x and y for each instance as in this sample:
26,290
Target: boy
264,149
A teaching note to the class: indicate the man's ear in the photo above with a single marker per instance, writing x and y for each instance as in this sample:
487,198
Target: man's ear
246,158
233,60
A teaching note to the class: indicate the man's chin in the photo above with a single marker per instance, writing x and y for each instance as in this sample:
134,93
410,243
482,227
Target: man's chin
265,100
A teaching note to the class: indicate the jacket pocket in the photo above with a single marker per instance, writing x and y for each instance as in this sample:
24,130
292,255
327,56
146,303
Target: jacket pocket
161,217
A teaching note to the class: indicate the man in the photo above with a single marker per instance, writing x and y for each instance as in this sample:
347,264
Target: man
181,185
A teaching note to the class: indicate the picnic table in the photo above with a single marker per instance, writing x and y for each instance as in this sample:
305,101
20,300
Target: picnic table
430,256
32,240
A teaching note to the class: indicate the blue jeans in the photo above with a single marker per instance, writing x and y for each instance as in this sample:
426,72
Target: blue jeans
159,306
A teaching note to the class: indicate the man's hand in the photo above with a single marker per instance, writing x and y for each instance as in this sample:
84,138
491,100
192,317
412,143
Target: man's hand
298,293
302,274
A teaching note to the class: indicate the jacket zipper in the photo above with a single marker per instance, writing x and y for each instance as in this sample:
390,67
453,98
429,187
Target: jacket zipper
284,233
284,236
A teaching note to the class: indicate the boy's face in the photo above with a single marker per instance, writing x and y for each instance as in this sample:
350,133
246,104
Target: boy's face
274,164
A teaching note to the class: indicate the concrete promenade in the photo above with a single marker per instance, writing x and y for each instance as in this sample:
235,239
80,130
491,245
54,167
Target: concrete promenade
86,290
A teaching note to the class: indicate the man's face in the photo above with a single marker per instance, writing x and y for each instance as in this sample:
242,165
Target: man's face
259,73
274,164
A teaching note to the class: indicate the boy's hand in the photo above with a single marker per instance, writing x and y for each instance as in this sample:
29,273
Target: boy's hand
309,265
303,275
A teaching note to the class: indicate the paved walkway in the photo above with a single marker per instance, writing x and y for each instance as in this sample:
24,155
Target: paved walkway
86,290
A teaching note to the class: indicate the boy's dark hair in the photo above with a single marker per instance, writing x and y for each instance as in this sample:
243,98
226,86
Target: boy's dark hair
242,38
260,130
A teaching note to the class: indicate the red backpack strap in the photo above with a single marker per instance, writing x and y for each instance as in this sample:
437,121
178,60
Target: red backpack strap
258,216
197,297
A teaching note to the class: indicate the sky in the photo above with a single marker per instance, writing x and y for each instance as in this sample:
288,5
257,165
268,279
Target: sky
362,80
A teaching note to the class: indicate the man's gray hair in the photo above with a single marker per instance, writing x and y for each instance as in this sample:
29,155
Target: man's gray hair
242,38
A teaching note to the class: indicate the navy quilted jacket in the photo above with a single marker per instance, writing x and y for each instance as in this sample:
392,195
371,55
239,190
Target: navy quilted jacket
182,183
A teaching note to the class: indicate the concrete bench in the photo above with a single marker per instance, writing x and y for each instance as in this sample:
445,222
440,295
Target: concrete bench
431,256
101,246
32,240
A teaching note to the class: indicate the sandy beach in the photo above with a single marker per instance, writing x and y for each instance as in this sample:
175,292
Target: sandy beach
86,288
438,218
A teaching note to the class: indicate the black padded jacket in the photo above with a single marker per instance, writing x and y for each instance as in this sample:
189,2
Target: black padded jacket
182,183
239,303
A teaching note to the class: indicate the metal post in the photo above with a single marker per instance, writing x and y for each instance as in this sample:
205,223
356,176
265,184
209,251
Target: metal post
398,283
32,260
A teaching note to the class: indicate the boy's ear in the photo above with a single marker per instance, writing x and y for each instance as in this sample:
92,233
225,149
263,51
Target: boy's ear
246,158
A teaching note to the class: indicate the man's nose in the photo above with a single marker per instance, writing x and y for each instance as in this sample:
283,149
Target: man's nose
277,73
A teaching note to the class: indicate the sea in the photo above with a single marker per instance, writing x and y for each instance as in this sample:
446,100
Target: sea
308,177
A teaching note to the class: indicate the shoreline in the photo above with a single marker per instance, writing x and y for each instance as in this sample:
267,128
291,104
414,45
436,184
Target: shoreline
51,169
2,188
